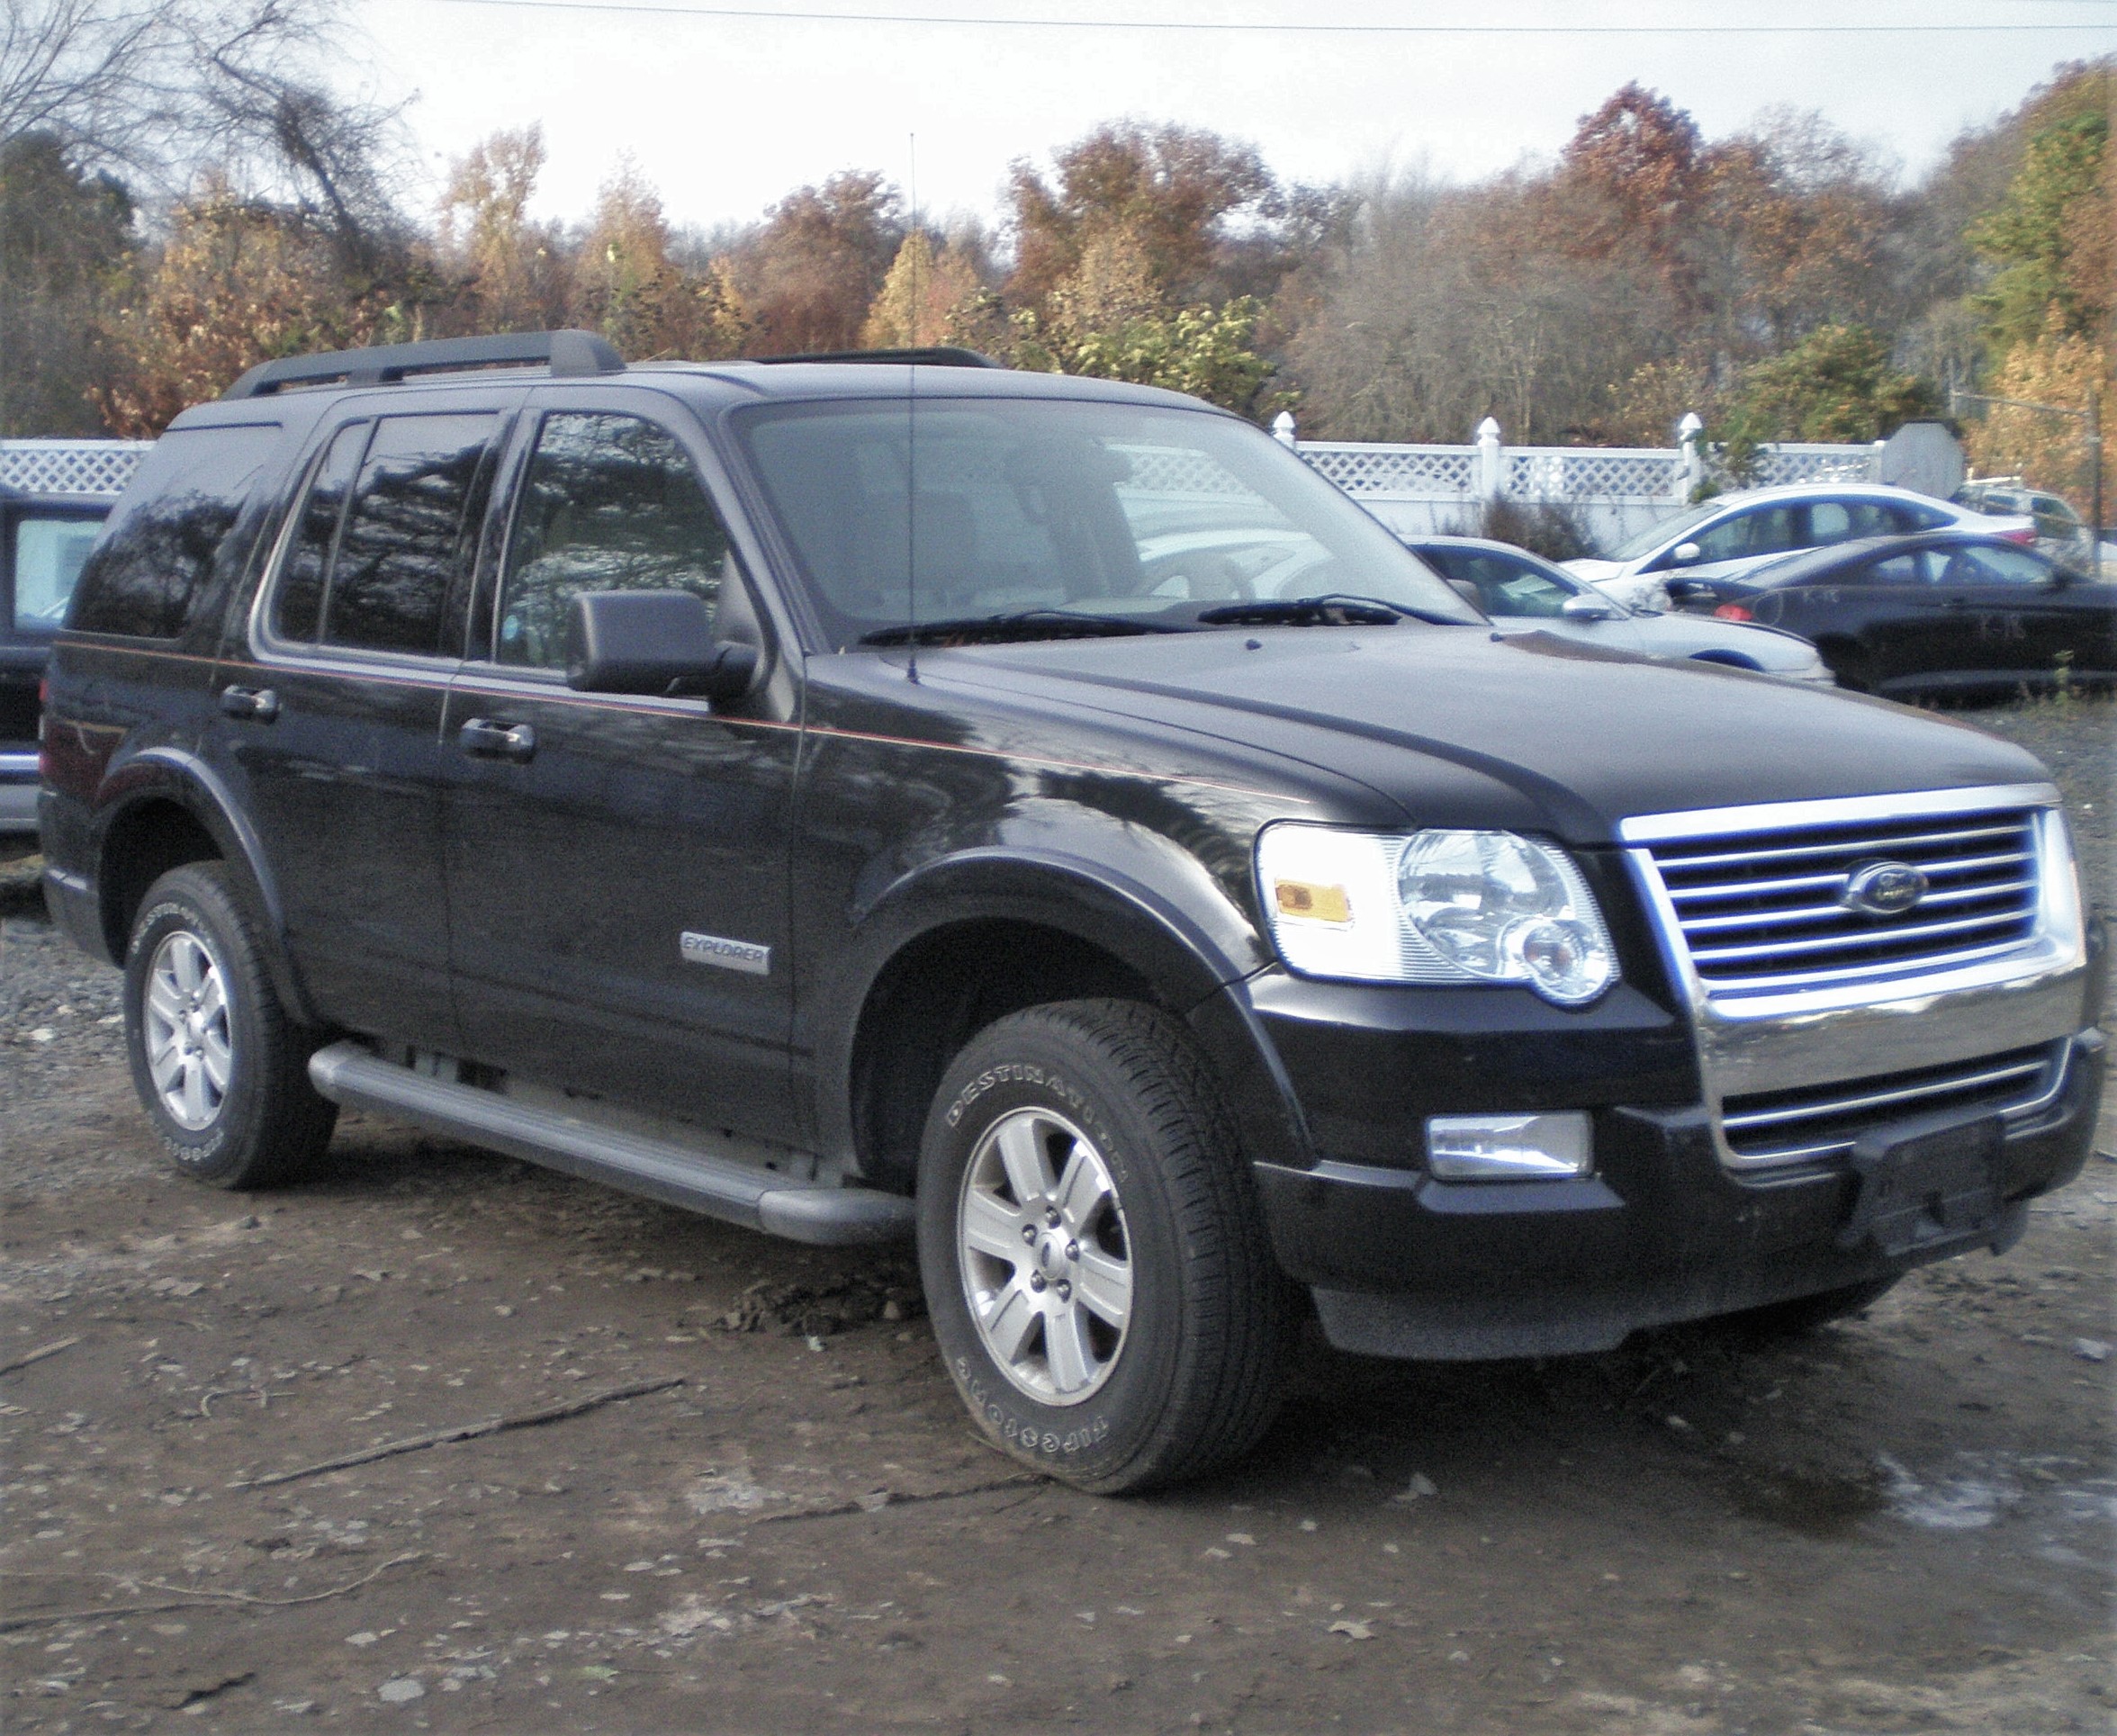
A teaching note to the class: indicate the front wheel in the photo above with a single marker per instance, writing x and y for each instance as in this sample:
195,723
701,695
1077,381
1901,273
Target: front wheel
1095,1258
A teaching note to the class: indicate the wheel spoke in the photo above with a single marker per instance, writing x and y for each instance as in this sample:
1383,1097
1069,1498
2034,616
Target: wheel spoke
992,1227
1083,1185
1010,1320
184,957
165,1061
1105,1286
212,998
164,999
196,1105
214,1053
1022,1150
1066,1349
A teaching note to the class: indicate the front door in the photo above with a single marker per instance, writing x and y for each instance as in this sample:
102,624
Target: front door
617,866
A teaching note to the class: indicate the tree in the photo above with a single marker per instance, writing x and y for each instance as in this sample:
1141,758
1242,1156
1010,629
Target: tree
65,240
2056,207
511,269
1173,190
2061,368
812,272
928,298
626,286
1835,385
236,283
1632,178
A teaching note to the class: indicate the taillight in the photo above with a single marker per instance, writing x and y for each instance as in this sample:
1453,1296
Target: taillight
2025,536
1733,611
43,711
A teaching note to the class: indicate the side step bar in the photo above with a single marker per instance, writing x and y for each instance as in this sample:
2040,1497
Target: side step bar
697,1181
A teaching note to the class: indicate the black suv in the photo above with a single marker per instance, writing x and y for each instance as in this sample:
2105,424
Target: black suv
889,796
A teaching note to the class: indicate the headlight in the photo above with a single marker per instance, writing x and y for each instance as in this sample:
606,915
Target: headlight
1434,907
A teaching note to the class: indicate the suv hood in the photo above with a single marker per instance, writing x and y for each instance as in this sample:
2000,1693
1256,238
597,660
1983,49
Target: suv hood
1458,726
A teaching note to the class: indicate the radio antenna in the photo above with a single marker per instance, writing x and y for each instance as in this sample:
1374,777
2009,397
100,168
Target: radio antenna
912,432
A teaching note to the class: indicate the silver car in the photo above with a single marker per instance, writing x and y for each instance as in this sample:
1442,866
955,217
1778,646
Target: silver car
1524,593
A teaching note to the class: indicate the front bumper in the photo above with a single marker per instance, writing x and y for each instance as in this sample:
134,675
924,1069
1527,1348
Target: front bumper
1667,1228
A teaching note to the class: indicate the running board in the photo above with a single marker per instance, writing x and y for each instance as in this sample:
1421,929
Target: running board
678,1176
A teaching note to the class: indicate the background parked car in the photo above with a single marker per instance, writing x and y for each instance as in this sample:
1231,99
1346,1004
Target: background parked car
2060,532
43,540
1732,532
1525,593
1945,612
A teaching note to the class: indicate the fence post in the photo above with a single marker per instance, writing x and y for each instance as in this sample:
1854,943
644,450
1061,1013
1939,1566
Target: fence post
1694,464
1491,472
1282,429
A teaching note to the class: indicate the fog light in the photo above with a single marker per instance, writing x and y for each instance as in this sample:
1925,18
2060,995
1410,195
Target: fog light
1508,1148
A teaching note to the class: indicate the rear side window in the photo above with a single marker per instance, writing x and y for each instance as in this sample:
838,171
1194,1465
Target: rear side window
143,578
610,502
48,555
382,532
1841,521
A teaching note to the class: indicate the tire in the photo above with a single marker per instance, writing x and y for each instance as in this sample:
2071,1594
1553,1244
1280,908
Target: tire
1136,1322
1803,1314
220,1067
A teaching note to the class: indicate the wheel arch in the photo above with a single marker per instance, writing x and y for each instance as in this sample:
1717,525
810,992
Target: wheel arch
965,941
159,811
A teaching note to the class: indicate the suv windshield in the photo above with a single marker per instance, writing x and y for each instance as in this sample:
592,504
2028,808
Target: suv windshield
1019,508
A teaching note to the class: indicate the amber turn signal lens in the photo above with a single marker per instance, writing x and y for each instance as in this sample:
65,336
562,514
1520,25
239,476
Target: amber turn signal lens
1310,903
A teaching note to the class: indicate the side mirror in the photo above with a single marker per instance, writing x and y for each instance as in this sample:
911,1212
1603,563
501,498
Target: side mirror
654,641
1684,554
1580,607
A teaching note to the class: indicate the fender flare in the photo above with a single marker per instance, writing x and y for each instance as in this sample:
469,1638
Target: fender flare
167,773
1196,974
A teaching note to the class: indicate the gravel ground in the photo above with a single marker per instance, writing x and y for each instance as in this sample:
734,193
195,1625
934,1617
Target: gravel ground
1904,1523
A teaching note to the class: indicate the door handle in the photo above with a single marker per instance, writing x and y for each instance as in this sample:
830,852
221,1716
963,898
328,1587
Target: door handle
489,740
257,705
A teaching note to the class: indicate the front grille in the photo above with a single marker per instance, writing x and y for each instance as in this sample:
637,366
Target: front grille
1783,1127
1761,911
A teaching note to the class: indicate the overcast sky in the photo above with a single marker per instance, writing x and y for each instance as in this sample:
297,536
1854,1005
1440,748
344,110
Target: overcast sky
725,115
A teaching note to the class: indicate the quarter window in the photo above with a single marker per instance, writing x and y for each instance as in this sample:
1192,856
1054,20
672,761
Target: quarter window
609,502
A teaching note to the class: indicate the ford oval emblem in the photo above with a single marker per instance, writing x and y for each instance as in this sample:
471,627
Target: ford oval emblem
1883,888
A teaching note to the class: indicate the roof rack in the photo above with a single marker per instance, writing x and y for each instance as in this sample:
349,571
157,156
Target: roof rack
943,356
568,354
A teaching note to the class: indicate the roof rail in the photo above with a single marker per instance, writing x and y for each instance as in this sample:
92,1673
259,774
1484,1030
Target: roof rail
942,356
567,353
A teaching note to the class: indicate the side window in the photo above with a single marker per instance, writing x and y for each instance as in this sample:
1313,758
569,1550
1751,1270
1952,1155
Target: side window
1993,566
609,502
49,553
404,532
1515,588
1767,530
1897,570
142,578
1829,521
297,605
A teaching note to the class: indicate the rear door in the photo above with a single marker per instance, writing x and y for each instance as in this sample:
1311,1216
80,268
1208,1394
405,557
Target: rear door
333,723
2012,615
618,866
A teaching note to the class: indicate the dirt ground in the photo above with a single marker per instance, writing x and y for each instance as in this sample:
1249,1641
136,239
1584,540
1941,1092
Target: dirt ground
1901,1524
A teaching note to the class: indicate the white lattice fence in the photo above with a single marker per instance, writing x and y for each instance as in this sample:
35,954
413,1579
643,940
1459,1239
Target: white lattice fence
1402,472
1813,463
95,467
1573,473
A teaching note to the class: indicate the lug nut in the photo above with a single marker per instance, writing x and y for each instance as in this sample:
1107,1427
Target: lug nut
1051,1216
1029,1233
1036,1281
1065,1290
1073,1250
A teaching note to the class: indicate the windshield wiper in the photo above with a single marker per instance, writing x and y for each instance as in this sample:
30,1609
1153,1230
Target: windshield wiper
1333,609
1019,624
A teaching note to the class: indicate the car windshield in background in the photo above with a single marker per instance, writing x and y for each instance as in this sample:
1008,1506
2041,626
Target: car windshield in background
1027,508
1650,539
49,553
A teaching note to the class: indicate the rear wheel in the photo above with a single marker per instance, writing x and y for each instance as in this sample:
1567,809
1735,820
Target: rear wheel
1094,1259
219,1066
